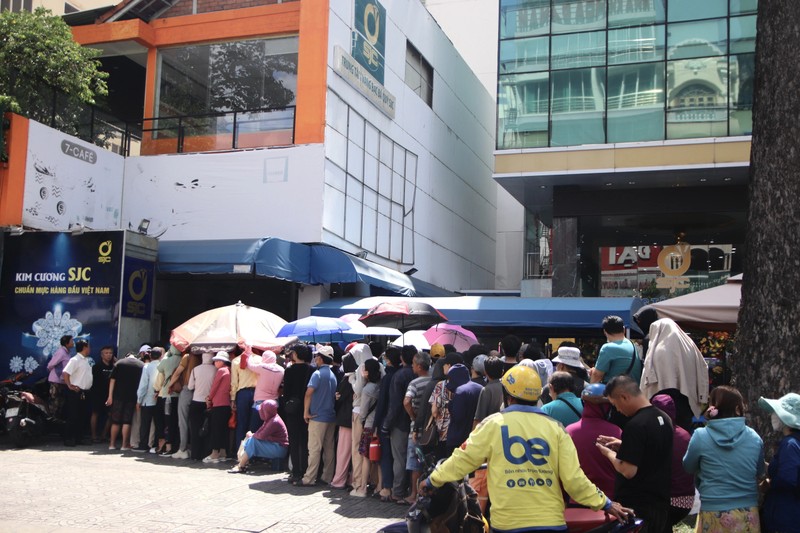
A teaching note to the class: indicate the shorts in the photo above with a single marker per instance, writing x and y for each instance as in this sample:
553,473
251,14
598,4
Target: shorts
412,462
122,412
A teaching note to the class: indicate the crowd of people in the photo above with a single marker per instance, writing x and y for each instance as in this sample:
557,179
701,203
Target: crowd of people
640,433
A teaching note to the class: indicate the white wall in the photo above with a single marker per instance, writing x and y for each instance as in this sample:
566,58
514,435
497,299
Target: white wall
274,192
454,209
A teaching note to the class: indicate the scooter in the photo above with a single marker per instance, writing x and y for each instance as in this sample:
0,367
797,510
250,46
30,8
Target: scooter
25,415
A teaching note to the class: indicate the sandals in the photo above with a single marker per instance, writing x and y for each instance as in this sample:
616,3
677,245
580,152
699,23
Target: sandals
238,470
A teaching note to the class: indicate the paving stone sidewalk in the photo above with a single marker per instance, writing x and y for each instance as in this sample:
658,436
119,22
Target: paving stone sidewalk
50,488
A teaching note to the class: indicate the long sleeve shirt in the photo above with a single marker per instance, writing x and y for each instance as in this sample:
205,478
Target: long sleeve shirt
396,415
200,381
56,365
145,394
243,378
220,388
530,458
167,366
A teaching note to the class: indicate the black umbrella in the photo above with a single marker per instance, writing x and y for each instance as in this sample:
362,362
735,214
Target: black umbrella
403,315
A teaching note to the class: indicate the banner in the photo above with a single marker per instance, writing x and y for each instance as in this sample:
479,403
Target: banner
56,284
369,38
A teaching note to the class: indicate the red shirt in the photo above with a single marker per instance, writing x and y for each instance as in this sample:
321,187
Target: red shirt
221,388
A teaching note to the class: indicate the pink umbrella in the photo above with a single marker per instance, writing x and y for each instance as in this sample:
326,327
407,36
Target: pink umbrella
453,334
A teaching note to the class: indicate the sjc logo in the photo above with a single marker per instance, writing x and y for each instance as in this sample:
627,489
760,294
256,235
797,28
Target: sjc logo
535,450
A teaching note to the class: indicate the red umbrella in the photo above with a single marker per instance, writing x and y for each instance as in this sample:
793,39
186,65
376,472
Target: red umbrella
453,334
403,315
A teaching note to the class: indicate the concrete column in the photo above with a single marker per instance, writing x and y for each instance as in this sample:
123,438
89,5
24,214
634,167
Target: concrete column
566,271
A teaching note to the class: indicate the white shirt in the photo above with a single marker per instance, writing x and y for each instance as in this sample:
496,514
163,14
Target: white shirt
80,373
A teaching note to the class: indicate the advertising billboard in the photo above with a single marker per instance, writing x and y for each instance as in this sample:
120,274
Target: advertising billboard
55,284
369,37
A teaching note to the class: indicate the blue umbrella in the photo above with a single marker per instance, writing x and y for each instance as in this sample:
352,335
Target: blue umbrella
314,327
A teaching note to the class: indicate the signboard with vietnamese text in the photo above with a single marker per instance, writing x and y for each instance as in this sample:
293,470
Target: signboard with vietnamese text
369,37
55,284
354,74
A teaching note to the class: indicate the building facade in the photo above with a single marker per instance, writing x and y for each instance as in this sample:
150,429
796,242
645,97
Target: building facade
353,126
623,128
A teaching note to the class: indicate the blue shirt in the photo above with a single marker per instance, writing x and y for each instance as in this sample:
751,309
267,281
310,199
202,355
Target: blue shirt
559,410
323,381
615,358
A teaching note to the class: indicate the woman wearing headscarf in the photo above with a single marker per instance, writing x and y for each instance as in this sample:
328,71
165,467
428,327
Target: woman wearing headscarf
358,354
270,377
674,363
781,511
270,441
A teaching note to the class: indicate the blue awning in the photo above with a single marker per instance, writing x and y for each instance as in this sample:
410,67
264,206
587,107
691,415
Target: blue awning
555,313
310,264
229,256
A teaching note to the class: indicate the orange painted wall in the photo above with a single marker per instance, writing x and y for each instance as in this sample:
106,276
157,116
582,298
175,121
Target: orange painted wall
12,173
307,18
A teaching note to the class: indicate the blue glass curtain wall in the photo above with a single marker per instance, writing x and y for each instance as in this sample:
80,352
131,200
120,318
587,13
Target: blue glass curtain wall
574,72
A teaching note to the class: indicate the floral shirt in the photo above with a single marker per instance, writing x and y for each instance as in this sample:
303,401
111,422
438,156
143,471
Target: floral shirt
439,400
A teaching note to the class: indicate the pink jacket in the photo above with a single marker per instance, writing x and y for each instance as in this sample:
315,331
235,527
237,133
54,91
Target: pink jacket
221,388
270,376
273,429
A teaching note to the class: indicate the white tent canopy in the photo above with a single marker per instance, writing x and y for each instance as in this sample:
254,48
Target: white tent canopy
716,308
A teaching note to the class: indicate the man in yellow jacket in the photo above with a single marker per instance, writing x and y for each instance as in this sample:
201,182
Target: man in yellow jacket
530,460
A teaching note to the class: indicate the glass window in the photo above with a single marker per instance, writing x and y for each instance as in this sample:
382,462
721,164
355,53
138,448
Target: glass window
742,77
578,15
579,50
419,74
743,6
696,9
577,104
697,39
524,18
524,55
743,34
697,98
634,12
221,77
636,44
523,103
636,103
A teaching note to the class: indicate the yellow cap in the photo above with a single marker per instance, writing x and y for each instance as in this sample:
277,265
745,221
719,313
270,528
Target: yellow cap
523,383
437,350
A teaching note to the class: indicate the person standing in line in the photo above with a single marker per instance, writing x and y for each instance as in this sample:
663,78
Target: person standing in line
358,354
642,457
243,390
146,402
295,382
320,415
167,404
368,400
122,399
77,375
101,377
200,381
268,383
392,360
58,391
565,407
727,460
618,356
462,406
144,357
412,403
781,511
219,405
344,425
179,383
397,423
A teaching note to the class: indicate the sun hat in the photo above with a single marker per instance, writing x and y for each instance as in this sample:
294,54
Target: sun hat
787,408
522,383
570,356
326,352
221,356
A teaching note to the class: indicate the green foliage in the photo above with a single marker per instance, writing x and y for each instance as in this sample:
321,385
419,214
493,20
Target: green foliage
38,56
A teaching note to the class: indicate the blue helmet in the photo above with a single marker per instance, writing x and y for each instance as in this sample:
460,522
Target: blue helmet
594,393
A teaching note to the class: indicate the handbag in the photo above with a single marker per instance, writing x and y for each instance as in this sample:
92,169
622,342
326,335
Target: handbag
232,420
293,406
365,442
430,434
375,449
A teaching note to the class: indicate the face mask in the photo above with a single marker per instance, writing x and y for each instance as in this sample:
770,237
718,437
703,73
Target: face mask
777,425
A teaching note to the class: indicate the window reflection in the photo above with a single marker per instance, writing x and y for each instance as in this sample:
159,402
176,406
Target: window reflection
631,12
697,9
578,102
635,45
697,98
578,15
523,105
697,39
636,102
743,34
524,55
523,18
579,50
742,77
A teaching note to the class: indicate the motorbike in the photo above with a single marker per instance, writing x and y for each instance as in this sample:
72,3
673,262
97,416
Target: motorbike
24,415
454,508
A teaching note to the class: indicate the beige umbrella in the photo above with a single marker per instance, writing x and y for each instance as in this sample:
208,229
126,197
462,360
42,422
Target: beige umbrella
716,308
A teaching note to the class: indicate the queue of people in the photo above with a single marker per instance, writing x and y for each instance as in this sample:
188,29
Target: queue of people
621,436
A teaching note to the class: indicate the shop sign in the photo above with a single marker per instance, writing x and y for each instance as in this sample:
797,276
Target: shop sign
137,288
674,261
357,76
56,284
369,37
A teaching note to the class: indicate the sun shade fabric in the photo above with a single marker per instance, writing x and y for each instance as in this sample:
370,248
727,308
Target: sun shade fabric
580,313
716,308
309,264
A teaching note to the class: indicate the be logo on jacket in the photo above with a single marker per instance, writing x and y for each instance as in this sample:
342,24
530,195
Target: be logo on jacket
534,450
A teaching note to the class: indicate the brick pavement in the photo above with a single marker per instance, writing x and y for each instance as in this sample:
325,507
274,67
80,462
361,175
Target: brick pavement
49,488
